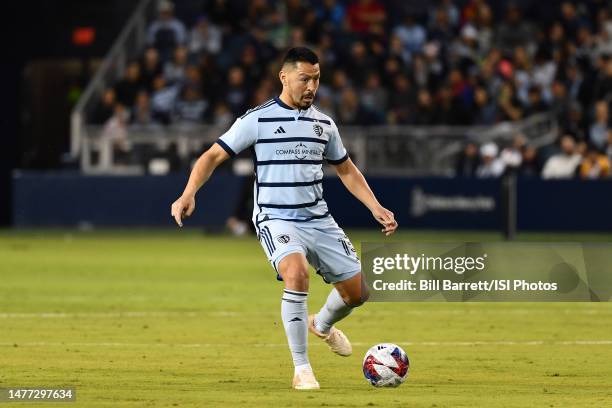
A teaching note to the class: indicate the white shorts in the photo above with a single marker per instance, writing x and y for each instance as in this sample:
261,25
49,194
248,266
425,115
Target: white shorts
322,241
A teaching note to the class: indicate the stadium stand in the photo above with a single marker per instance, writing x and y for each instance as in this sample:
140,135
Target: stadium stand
461,64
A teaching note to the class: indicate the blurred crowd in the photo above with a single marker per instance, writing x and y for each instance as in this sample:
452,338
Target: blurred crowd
563,160
470,62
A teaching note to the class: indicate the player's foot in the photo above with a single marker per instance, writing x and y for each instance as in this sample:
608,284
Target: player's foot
305,380
335,339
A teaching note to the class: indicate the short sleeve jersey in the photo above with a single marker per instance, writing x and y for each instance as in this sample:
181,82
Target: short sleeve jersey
289,147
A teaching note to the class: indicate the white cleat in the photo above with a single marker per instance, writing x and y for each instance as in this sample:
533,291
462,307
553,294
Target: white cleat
305,380
335,339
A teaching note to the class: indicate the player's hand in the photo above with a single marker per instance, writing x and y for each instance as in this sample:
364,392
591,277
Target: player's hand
386,219
182,208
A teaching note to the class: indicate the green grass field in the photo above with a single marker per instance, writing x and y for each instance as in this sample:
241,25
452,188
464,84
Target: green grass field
178,318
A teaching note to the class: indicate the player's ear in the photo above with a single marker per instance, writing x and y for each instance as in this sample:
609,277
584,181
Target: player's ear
282,75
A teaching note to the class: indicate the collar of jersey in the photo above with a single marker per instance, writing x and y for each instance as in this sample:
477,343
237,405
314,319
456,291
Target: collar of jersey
285,106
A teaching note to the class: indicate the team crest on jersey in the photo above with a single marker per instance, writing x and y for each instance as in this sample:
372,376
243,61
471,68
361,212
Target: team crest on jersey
317,129
283,239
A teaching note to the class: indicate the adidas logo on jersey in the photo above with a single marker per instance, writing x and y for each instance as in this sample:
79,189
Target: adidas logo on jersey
279,130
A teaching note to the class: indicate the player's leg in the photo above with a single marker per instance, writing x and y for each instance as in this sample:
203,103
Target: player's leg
286,254
336,260
293,269
343,298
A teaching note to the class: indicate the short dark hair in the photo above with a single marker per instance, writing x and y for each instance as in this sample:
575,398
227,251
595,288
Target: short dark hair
300,54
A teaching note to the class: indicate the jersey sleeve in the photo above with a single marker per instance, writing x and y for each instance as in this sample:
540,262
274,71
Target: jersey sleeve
335,152
241,135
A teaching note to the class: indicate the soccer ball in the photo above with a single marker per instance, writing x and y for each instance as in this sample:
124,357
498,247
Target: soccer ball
385,365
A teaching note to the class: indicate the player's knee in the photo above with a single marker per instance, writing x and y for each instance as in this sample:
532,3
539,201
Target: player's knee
295,273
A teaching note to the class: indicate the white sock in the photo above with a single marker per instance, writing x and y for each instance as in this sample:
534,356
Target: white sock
294,312
332,311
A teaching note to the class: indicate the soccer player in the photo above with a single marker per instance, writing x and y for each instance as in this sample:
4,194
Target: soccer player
290,139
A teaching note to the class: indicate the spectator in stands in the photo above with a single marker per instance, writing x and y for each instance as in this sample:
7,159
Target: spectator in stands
174,70
191,107
128,87
515,31
204,37
420,72
142,115
483,111
401,100
464,49
535,102
374,97
512,156
360,64
366,16
603,41
325,102
395,49
491,165
236,95
264,49
569,18
339,82
105,109
449,109
115,129
330,14
392,67
193,78
250,65
468,161
296,12
350,111
150,67
163,99
574,123
530,166
485,27
564,164
604,83
425,113
544,71
166,32
560,104
411,35
441,30
595,165
222,116
450,10
574,81
509,106
598,131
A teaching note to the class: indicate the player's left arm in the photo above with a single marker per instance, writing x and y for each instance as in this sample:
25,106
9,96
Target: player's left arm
354,182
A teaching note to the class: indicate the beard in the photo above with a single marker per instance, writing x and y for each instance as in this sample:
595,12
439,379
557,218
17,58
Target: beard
306,103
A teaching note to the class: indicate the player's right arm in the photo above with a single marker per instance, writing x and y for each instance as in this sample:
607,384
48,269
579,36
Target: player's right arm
241,135
202,170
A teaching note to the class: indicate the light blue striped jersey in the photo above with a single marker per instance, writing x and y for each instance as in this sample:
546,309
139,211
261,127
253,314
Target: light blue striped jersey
289,146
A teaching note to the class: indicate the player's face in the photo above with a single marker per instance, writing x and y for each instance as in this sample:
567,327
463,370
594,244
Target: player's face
301,81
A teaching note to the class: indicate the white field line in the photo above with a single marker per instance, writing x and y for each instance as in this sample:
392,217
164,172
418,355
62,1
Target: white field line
403,343
65,315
